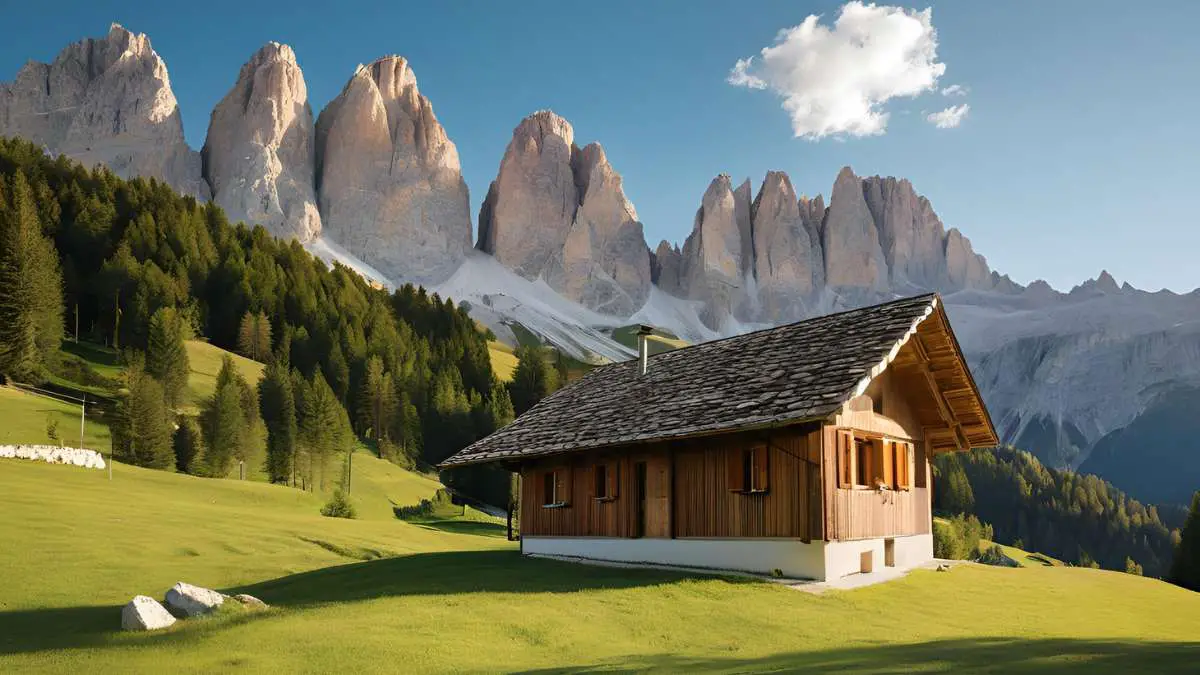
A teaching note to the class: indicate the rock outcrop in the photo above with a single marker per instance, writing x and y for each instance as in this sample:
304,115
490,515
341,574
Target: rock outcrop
718,254
105,101
786,264
854,260
259,156
560,213
145,613
389,184
910,233
188,600
665,268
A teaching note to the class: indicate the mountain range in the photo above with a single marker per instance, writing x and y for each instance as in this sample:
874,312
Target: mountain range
374,181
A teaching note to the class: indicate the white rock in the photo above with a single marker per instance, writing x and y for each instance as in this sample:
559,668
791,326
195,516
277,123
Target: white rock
390,188
192,600
786,267
105,101
145,613
259,156
250,601
718,257
53,454
853,258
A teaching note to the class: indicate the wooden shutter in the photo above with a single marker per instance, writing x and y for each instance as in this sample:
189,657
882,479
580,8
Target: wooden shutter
845,458
562,485
907,450
734,470
887,461
761,472
614,479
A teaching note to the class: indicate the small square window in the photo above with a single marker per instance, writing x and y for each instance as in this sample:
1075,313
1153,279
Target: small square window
600,479
549,489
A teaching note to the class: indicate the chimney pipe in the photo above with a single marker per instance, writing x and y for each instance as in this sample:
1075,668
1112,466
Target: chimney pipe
643,348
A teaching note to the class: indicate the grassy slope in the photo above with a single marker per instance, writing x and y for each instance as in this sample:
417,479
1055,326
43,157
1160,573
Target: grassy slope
205,362
85,545
504,361
23,419
1024,558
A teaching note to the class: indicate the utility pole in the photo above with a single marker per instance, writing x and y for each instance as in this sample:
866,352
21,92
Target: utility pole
349,469
117,324
77,323
82,409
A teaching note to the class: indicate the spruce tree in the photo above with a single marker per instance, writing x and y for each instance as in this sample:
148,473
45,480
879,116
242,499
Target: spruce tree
188,446
1185,570
223,421
532,379
31,299
325,429
166,357
142,432
278,405
378,399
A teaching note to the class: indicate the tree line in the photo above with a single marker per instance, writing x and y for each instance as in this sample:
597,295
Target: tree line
1078,518
137,266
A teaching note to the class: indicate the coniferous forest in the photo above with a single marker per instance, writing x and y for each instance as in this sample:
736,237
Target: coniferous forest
134,265
1078,518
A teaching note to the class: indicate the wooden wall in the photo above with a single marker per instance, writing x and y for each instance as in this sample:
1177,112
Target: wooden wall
695,491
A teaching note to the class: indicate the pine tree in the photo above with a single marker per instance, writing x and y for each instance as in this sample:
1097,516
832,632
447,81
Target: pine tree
325,428
254,336
142,432
166,357
223,421
188,446
532,379
378,399
31,299
278,405
1185,570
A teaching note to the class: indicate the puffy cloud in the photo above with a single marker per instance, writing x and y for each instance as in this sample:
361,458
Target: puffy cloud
835,80
955,90
950,117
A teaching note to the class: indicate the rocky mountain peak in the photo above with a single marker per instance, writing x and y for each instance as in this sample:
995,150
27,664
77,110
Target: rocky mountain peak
259,156
105,101
389,185
854,259
785,264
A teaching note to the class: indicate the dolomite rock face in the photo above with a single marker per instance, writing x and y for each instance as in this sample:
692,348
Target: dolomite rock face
259,157
389,185
604,263
665,268
105,101
910,233
854,260
718,254
964,267
525,220
560,213
785,263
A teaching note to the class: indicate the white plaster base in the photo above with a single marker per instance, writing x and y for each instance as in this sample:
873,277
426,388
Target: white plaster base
795,559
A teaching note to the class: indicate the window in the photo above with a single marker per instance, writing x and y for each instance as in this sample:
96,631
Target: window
605,478
747,470
863,462
902,457
845,458
556,488
873,462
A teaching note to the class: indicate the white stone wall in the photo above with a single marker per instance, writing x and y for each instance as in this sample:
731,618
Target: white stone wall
792,557
89,459
843,558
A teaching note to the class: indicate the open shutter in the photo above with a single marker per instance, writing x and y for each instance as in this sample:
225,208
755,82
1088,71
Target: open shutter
887,461
908,465
845,458
562,486
735,476
761,472
614,478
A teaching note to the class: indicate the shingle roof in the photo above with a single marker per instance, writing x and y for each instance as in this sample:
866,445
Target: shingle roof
792,373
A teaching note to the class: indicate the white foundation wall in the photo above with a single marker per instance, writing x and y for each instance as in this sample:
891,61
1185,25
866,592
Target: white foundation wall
843,558
792,557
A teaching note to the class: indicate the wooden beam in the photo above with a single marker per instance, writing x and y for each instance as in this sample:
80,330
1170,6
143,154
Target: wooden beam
943,407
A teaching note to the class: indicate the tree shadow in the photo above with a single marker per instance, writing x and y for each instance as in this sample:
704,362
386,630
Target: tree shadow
477,528
985,655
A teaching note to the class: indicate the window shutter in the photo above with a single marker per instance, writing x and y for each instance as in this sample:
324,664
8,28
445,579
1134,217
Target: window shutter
845,458
887,462
562,486
908,458
594,479
761,469
733,470
614,478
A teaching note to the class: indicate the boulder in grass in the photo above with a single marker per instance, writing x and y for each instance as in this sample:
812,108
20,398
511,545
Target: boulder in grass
144,613
187,600
250,602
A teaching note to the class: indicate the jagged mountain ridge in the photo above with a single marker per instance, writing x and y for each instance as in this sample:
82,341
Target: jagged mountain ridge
563,249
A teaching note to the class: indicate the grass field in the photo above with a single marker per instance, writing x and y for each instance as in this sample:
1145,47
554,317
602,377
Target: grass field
24,415
205,363
379,594
1024,558
504,361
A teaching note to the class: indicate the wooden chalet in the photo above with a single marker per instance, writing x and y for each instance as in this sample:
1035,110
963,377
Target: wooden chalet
802,449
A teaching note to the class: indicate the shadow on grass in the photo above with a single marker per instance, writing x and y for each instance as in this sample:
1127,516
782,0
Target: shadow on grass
994,655
441,573
479,529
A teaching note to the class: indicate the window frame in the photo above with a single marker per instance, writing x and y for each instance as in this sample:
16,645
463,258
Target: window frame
551,499
608,489
749,470
881,449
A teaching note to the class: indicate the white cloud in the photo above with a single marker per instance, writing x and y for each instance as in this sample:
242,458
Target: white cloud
955,90
835,80
950,117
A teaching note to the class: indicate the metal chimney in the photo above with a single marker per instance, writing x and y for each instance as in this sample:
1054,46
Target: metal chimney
643,348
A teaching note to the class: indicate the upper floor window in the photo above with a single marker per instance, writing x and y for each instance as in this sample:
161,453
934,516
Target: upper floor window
556,489
873,462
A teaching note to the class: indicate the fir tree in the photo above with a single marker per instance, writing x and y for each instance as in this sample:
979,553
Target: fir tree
1185,569
223,421
31,300
325,429
188,446
532,379
142,432
166,357
378,399
278,405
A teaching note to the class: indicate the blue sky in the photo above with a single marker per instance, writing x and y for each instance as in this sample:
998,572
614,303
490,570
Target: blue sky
1078,152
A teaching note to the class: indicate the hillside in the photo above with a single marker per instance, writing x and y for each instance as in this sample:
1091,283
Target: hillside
204,362
351,595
